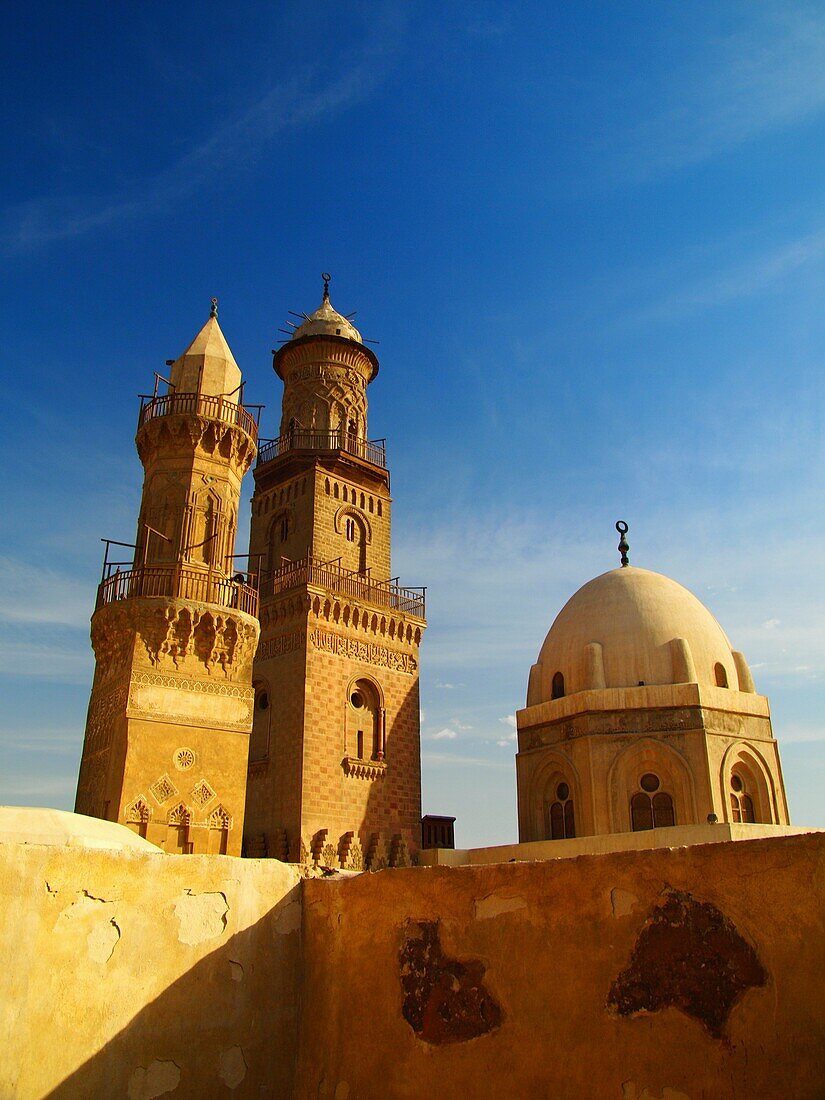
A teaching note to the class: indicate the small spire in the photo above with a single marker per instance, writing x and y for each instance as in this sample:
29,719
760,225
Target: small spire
624,546
213,312
325,275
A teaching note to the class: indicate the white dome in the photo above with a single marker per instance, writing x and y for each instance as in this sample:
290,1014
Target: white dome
630,627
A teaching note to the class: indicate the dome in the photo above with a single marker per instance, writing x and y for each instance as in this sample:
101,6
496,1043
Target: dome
326,321
633,627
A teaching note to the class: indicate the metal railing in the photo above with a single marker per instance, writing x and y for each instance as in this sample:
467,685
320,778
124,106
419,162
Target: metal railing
178,581
307,439
332,576
198,404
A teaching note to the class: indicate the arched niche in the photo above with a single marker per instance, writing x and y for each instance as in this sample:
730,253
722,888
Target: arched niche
364,735
748,762
261,721
543,792
646,757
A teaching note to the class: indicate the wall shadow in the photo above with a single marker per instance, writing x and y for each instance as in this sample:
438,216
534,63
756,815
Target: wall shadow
228,1026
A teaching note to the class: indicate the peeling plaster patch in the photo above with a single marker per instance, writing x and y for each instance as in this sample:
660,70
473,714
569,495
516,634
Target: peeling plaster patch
623,903
102,941
93,913
202,917
233,1067
629,1093
159,1078
445,1000
494,906
235,971
690,956
288,918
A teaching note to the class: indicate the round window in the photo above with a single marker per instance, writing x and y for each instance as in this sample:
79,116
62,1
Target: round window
357,699
736,782
562,792
649,782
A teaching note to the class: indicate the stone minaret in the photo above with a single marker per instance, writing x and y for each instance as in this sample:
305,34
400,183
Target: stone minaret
175,629
334,772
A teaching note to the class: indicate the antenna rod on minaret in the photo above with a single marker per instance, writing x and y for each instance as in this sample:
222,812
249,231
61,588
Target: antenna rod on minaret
624,546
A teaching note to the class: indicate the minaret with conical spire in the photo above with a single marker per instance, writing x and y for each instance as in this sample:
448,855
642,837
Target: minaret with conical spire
176,626
334,771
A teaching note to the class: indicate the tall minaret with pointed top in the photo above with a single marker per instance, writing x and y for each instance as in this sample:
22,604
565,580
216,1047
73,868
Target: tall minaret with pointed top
175,627
334,771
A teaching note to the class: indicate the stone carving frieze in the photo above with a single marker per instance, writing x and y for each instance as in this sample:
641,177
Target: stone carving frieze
191,432
357,650
160,697
104,709
189,638
276,647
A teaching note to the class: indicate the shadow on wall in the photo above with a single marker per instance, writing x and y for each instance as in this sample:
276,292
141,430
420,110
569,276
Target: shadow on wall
227,1026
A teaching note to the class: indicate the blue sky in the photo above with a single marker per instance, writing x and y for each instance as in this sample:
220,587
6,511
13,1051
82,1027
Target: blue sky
591,240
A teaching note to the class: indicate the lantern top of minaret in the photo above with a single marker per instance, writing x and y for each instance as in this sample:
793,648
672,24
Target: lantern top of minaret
327,322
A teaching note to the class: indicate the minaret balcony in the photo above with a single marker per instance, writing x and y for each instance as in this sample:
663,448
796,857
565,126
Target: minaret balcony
178,582
310,440
342,582
198,404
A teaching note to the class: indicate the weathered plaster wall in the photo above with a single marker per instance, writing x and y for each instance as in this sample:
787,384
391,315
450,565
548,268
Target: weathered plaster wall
692,972
643,975
134,975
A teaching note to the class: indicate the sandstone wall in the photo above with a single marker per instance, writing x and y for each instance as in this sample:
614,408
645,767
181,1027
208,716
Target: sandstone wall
693,972
134,975
647,975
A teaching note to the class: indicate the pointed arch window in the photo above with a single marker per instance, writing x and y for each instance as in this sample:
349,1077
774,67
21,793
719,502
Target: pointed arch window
557,690
741,803
651,807
561,820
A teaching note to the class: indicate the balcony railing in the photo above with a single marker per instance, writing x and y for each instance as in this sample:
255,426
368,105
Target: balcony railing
307,439
198,404
181,582
341,581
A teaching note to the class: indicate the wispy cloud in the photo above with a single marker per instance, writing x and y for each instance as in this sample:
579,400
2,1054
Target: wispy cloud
754,274
230,146
768,73
39,594
445,734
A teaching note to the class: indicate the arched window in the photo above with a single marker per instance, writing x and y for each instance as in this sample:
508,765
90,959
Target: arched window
261,719
557,691
349,528
561,821
651,808
720,675
283,528
741,803
364,736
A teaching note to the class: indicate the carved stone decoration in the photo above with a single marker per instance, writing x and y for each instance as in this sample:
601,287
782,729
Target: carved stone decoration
179,815
138,813
220,819
202,793
354,857
184,759
376,855
163,789
399,854
364,769
329,856
368,652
